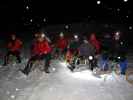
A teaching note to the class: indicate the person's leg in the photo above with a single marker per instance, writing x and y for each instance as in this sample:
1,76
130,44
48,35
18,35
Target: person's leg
64,53
29,65
123,67
47,62
6,58
17,54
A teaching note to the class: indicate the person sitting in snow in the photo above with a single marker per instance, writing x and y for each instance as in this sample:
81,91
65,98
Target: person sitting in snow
41,51
62,44
14,47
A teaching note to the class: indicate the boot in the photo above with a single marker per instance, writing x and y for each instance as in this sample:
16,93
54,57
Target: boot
19,60
46,67
5,61
27,69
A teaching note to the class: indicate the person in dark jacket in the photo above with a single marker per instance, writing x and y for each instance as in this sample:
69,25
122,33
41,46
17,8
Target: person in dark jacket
86,49
73,46
118,45
14,46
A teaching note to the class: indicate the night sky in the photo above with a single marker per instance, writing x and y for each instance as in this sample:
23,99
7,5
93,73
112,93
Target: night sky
26,12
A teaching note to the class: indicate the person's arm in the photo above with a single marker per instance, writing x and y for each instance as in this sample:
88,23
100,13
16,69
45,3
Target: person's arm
48,39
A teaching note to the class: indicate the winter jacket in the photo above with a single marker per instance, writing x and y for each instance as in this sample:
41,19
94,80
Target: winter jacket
74,45
15,45
40,48
86,49
95,43
62,43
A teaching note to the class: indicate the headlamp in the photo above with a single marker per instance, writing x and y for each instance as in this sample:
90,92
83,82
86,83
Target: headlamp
90,58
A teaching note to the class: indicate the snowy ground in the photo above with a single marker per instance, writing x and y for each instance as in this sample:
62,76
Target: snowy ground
61,84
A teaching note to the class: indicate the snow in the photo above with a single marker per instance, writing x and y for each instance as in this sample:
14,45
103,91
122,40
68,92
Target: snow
130,77
61,84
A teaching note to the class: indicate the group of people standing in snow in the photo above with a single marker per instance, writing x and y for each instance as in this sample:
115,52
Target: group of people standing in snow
42,48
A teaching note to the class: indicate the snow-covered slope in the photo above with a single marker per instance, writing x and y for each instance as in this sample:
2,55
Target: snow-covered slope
61,84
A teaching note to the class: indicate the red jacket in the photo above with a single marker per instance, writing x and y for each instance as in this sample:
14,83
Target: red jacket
41,48
15,45
62,43
95,43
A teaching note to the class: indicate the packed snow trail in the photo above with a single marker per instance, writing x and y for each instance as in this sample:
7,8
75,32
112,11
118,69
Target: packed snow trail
61,84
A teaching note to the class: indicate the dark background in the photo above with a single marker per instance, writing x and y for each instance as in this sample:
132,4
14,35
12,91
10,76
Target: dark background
13,14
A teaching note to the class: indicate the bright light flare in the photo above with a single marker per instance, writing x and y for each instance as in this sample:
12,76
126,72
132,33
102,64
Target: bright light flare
65,64
125,0
27,7
119,57
117,33
90,58
61,34
98,2
43,35
75,36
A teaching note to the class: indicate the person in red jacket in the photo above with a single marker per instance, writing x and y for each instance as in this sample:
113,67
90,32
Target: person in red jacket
13,46
41,50
62,44
93,40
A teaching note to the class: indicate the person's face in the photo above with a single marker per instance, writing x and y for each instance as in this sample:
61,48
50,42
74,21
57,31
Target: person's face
40,39
92,36
13,37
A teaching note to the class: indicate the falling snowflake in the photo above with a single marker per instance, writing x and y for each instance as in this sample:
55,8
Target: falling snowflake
27,7
130,27
44,19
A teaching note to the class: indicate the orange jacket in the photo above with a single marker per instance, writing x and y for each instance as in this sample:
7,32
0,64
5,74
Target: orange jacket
41,48
62,43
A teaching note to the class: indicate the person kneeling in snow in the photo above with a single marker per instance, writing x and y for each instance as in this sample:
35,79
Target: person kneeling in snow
41,51
14,46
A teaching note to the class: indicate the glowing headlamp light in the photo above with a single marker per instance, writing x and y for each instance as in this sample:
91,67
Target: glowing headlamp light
61,34
90,58
119,57
117,33
75,36
43,35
